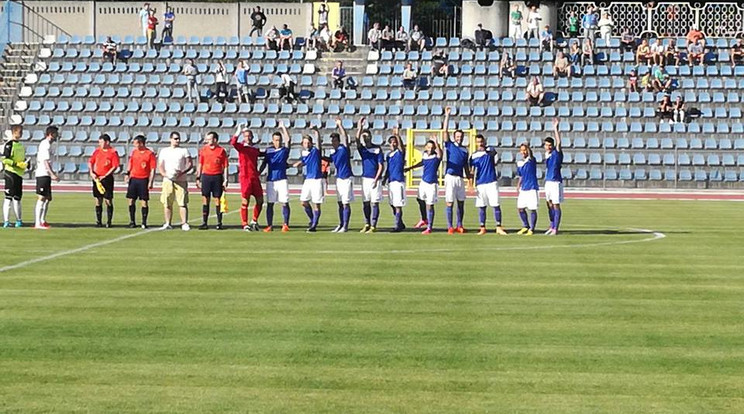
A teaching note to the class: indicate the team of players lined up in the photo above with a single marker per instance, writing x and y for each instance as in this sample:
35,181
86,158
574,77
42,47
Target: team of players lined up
379,169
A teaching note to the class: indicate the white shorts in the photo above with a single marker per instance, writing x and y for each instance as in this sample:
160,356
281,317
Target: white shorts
454,189
371,194
554,191
487,195
345,190
527,199
428,193
312,190
397,194
277,192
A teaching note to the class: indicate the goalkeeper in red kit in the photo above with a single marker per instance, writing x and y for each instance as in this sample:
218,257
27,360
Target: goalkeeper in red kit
250,183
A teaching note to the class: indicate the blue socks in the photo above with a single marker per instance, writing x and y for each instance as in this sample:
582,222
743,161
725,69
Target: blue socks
496,214
398,217
375,214
346,216
315,219
430,216
533,219
340,214
551,216
557,218
523,216
449,216
460,212
367,212
285,213
482,216
309,212
270,214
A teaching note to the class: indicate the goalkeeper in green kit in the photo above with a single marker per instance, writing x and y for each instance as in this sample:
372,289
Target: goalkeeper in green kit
14,161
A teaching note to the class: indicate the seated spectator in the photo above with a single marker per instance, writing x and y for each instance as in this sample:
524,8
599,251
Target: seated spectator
409,77
561,66
661,81
694,35
272,39
546,39
338,75
417,39
587,53
374,36
387,38
324,39
439,66
671,55
401,39
507,66
678,110
110,50
646,82
657,53
574,53
605,27
286,39
312,38
535,93
696,52
340,40
287,89
643,54
483,37
664,111
627,41
633,81
737,52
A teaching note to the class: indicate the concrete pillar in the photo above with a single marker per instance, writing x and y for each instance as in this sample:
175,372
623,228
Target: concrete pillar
494,18
405,15
359,22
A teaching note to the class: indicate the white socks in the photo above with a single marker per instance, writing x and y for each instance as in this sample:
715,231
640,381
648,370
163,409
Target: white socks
41,211
6,210
17,209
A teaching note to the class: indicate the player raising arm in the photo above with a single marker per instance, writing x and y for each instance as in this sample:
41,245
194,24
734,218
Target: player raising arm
483,163
211,177
457,164
102,164
372,166
429,185
344,179
396,179
312,187
140,176
527,185
277,190
249,177
553,179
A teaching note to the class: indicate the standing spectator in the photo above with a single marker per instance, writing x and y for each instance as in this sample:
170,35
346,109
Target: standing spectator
338,75
483,37
605,27
387,38
174,163
102,164
643,54
665,109
272,39
696,52
561,67
533,23
241,78
633,81
190,71
152,26
409,77
440,66
627,41
516,23
573,25
587,53
258,21
546,39
168,18
678,110
401,39
737,52
374,35
417,39
285,38
144,16
287,88
694,35
589,23
220,79
110,50
507,66
323,15
535,93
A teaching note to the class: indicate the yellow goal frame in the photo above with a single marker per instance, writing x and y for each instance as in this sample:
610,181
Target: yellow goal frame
413,155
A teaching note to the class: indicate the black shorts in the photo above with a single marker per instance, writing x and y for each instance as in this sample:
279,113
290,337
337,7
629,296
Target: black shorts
139,188
212,185
44,187
108,188
13,186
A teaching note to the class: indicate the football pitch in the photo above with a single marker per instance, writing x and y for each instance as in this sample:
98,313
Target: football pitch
636,307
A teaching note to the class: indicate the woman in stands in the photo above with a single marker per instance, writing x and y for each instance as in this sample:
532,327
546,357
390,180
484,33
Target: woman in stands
643,54
587,53
507,66
679,110
665,109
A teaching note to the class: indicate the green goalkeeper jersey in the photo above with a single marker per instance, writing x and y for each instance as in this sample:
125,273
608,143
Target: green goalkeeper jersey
14,157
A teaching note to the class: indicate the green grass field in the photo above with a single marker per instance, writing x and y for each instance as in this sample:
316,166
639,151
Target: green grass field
602,319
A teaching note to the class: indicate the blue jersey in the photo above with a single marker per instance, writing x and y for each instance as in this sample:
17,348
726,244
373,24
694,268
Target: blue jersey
431,168
395,164
371,159
527,169
553,164
485,167
311,159
342,160
457,158
276,159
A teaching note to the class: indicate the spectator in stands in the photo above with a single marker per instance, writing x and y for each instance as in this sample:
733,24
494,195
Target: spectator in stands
409,77
272,39
144,16
694,35
483,37
606,25
533,23
168,18
664,111
516,23
152,25
678,110
646,82
287,88
439,66
340,40
587,53
657,53
325,38
573,25
220,80
561,66
643,54
589,23
696,52
387,38
241,80
286,39
737,52
633,81
574,53
339,75
417,39
627,41
507,66
535,92
258,21
374,35
401,39
110,50
671,55
312,38
546,39
660,80
190,71
323,14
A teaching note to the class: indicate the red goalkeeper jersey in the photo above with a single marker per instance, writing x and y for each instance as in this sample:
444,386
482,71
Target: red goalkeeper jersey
247,159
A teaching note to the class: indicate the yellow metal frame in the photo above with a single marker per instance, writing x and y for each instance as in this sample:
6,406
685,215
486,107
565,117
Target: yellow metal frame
413,155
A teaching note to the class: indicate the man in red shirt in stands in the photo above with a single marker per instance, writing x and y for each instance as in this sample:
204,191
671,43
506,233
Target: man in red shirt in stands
250,183
102,165
211,177
139,177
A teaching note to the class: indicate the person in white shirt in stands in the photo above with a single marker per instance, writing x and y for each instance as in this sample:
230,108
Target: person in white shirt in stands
144,16
417,39
374,35
44,176
535,93
190,71
533,23
174,163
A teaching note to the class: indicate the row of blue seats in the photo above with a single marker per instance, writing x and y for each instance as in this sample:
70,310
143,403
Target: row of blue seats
87,55
231,41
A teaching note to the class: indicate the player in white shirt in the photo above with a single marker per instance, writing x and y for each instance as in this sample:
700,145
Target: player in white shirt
174,163
44,176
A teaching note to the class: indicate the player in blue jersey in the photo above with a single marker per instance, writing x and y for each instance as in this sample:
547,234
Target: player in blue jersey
313,193
429,185
457,164
344,179
372,166
483,164
553,179
527,185
277,190
395,178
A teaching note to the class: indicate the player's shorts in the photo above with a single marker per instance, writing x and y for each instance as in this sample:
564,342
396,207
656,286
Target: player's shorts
454,188
138,188
345,190
277,192
527,199
487,195
251,187
44,187
312,190
397,193
177,191
428,192
554,191
108,188
212,185
13,186
371,194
